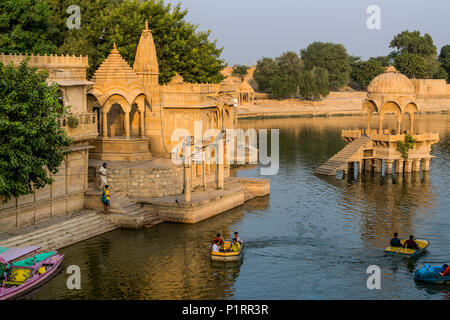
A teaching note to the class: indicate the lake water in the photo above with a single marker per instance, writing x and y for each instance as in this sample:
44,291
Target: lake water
312,238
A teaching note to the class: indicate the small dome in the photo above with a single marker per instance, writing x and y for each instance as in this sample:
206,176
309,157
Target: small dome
391,82
176,79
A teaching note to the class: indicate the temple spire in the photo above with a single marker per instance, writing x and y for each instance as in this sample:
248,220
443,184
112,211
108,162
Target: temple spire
146,62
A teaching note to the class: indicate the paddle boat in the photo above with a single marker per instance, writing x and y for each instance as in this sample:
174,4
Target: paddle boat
227,255
431,274
406,252
20,276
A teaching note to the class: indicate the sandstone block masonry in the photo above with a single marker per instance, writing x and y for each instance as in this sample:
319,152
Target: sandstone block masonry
146,182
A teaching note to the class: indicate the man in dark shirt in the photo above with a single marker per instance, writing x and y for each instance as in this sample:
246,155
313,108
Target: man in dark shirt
411,244
395,241
219,238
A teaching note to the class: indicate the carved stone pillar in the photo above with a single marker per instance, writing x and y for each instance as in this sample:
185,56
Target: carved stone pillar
126,124
408,165
377,165
104,124
367,165
426,165
416,165
141,123
399,165
388,164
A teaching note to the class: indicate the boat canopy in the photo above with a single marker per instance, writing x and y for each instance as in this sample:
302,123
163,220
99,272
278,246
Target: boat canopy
15,253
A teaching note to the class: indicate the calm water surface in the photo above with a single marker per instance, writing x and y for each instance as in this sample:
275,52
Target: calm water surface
313,238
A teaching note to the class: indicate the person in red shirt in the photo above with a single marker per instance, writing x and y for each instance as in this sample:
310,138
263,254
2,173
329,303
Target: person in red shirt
446,270
411,244
219,238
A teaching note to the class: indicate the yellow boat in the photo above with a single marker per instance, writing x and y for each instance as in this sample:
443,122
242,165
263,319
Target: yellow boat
394,251
227,255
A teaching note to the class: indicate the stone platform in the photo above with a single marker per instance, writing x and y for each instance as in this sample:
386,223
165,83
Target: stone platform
120,149
206,204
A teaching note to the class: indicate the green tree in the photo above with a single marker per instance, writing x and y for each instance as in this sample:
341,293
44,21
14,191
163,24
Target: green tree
240,71
364,71
413,42
180,47
282,85
415,55
31,141
330,56
314,84
444,59
291,64
412,65
403,146
25,27
264,72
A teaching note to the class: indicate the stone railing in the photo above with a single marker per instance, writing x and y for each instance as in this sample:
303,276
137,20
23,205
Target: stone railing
80,126
388,135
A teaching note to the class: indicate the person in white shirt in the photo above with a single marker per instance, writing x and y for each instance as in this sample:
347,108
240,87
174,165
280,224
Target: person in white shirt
102,173
215,246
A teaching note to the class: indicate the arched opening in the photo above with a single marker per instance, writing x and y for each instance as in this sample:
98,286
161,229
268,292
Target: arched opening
389,108
370,108
116,121
134,120
410,109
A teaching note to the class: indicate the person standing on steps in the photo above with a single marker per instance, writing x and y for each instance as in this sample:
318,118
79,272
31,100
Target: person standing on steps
106,199
102,172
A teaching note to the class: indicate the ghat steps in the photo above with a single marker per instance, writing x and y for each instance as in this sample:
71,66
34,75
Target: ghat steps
341,159
59,234
126,213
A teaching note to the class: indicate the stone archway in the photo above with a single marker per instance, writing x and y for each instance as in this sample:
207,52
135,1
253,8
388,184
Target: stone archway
116,116
370,108
115,124
390,107
410,109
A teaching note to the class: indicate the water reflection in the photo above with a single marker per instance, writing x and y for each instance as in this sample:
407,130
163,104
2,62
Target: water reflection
308,227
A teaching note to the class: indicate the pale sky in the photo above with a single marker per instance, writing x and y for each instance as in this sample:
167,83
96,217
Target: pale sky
251,29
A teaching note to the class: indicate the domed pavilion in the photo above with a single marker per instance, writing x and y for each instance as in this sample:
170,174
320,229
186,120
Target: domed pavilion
376,149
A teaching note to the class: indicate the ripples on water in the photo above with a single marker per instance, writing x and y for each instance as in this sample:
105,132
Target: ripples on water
312,238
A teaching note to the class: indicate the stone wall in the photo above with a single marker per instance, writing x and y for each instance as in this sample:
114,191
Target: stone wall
146,182
65,195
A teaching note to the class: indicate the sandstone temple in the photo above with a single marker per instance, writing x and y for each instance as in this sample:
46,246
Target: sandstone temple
124,117
375,149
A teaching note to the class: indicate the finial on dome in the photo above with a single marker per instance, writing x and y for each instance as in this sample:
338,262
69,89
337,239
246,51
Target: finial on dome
391,69
146,24
114,46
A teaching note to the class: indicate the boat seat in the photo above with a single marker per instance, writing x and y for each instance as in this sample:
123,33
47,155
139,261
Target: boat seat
18,276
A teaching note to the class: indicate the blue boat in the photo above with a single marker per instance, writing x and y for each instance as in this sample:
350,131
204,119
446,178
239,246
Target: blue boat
431,274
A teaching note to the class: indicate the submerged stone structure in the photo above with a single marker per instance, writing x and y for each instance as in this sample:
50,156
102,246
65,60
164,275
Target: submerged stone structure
372,149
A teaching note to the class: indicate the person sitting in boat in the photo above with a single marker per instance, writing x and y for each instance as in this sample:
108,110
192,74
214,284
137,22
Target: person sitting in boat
446,270
235,247
236,235
216,246
218,238
395,241
411,244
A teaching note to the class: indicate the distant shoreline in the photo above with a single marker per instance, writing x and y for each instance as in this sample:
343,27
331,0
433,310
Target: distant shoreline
324,114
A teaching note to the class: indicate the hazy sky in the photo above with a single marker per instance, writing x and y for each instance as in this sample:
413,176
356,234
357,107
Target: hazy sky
251,29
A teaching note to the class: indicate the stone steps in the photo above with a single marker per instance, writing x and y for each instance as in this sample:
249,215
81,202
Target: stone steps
58,235
340,160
